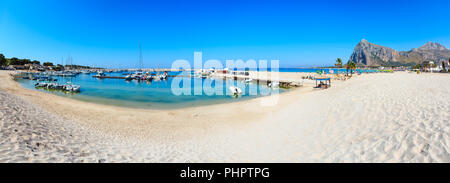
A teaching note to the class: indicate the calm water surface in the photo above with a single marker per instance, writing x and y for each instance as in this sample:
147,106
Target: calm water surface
155,95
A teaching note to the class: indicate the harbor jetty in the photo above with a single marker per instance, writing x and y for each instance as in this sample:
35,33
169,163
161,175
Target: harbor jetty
259,80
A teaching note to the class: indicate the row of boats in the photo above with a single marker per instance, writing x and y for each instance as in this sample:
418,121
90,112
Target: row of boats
238,91
46,81
56,86
35,76
39,78
73,73
140,76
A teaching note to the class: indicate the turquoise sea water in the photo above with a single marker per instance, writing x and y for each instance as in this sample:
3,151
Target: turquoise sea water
159,94
156,94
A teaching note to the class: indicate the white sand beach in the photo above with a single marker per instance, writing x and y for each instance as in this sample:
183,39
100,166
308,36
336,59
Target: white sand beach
386,117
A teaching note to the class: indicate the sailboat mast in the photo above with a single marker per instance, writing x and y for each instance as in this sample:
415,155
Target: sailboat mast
141,62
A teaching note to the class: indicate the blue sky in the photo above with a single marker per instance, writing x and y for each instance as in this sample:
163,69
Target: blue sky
298,33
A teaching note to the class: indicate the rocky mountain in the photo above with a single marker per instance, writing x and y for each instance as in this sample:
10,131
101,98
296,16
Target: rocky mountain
369,54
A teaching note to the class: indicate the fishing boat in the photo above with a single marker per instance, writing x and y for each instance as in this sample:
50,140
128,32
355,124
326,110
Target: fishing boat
71,87
128,77
41,84
235,90
67,87
138,75
68,75
76,88
248,80
85,72
42,78
274,84
55,86
163,76
100,74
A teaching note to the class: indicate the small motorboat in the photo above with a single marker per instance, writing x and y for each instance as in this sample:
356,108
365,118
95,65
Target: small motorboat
85,72
41,84
248,80
163,76
67,87
55,86
128,77
274,84
51,85
100,74
76,88
235,90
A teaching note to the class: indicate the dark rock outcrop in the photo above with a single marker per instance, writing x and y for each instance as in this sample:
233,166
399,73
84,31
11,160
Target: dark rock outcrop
369,54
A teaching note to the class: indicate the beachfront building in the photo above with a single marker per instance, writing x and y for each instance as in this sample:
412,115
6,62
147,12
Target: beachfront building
17,67
36,67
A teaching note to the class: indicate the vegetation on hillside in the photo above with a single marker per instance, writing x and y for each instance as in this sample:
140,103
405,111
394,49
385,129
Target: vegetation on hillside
4,62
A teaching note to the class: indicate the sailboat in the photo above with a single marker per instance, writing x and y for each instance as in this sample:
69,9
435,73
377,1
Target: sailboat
138,75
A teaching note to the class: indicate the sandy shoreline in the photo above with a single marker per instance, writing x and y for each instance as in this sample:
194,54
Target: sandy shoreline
149,123
398,117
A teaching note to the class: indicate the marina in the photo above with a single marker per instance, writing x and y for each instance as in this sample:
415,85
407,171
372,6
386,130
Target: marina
244,82
146,89
151,88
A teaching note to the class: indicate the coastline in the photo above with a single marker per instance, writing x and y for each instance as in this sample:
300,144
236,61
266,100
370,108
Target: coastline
394,117
115,119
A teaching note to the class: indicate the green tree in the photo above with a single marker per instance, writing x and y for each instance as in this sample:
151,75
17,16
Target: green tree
26,61
15,61
352,66
417,66
338,63
47,64
3,61
59,67
36,62
347,67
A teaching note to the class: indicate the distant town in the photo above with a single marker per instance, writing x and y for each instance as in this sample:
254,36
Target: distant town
35,65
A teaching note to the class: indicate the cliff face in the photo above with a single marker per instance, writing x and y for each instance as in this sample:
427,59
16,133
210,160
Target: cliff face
369,54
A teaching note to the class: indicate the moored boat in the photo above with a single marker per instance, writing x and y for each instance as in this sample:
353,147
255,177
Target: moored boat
235,90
